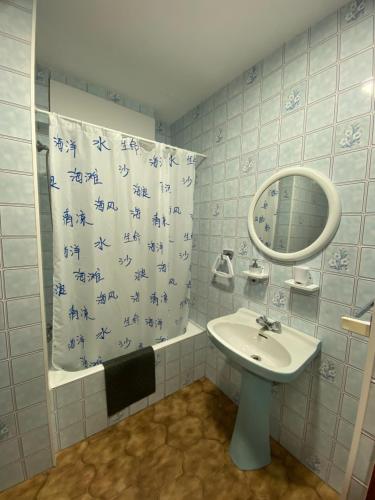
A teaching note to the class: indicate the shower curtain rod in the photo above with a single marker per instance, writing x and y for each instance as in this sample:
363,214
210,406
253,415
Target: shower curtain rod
43,111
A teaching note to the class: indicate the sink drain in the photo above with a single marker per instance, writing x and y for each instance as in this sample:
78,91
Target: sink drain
256,357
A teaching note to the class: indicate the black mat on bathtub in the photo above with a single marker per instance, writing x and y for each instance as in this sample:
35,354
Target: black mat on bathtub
129,378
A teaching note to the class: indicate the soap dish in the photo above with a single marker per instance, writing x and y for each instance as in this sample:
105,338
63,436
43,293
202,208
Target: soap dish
304,288
256,276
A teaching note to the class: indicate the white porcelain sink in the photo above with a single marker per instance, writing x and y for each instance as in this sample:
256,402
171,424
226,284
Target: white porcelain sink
279,357
265,358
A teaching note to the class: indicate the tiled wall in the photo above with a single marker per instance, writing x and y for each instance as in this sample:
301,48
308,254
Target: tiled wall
80,410
24,437
310,103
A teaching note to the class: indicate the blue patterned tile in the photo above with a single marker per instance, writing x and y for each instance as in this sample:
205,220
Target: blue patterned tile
279,298
251,76
354,11
352,134
294,98
341,259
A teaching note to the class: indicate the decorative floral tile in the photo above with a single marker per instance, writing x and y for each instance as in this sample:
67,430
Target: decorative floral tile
294,98
251,76
354,11
352,134
279,298
341,259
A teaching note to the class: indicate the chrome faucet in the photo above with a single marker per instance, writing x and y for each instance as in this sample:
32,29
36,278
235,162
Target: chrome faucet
273,326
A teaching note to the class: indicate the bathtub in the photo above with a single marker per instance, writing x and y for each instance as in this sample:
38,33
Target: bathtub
78,401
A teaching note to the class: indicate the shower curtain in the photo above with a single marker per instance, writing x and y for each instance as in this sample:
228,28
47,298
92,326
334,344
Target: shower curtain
122,238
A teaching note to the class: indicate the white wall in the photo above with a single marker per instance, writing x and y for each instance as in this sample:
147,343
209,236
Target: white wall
75,103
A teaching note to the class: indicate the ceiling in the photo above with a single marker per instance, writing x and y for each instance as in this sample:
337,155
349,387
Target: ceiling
169,54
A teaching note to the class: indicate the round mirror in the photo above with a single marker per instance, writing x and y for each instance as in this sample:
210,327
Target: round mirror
294,214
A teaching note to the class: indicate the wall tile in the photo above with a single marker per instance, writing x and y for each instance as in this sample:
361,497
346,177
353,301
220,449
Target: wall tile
357,37
14,88
271,85
323,84
23,312
321,114
30,392
292,125
27,367
296,46
21,282
15,155
17,221
295,70
32,417
352,135
356,70
352,196
324,29
350,166
14,54
323,55
15,21
15,122
318,144
6,402
369,231
352,103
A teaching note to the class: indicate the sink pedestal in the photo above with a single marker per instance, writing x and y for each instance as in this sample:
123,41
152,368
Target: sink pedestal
250,444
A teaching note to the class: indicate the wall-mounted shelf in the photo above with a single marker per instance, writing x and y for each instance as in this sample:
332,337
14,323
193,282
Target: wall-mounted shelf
304,288
256,276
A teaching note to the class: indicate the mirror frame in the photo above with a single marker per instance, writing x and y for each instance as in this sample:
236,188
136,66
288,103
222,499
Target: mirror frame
333,220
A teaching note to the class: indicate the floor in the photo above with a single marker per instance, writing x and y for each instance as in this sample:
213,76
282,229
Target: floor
176,449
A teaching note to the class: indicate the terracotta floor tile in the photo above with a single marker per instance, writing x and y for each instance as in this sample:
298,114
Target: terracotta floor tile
176,449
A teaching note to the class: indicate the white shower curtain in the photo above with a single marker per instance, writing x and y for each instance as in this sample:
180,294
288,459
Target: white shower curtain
122,234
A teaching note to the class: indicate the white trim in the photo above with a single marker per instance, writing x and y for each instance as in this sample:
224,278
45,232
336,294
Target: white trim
38,231
362,406
333,221
62,377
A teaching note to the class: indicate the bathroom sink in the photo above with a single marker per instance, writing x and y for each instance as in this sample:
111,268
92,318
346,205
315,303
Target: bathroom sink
278,357
266,358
